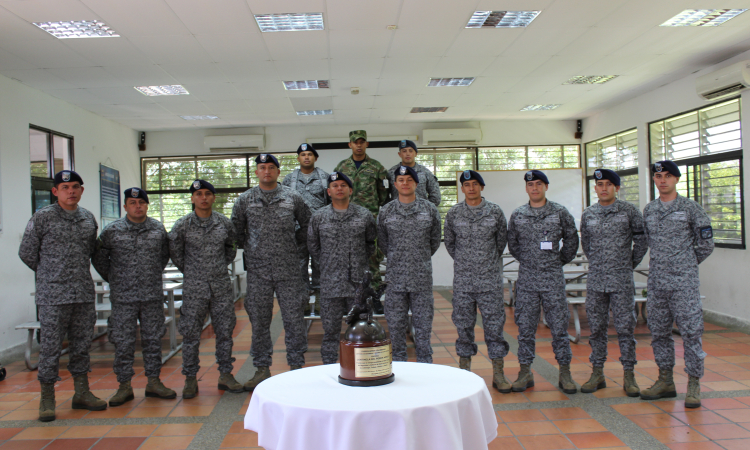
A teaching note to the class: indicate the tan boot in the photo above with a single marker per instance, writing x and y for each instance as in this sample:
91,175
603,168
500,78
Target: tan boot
597,381
47,403
566,383
464,362
499,381
629,385
295,367
191,387
83,398
693,396
261,373
228,383
525,379
124,394
155,388
663,388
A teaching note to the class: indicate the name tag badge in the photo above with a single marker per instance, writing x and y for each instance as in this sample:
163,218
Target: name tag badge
546,245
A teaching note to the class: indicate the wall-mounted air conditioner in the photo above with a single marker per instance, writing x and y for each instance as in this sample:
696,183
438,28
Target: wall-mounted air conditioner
724,82
452,137
234,143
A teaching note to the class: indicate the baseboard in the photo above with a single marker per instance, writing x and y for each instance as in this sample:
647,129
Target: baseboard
16,352
727,321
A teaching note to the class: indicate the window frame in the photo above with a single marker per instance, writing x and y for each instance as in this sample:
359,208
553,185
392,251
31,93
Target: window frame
51,150
622,173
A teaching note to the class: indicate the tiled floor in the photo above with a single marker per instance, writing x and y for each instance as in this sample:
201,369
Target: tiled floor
540,418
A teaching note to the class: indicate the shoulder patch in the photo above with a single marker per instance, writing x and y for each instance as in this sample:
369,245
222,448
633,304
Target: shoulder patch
707,233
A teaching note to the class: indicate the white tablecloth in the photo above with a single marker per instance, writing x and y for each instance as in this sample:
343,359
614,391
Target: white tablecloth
428,407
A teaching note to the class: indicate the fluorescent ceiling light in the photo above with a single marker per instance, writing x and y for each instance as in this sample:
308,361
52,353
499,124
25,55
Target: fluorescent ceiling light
77,29
539,107
436,109
590,79
305,85
162,90
501,19
315,112
200,117
450,82
290,22
702,17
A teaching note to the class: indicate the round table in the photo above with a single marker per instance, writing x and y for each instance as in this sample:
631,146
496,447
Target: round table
428,407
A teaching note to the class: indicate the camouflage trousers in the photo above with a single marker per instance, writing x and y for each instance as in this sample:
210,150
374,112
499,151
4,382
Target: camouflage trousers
374,264
527,312
305,260
422,305
291,295
493,320
124,324
622,304
683,307
215,298
77,320
332,310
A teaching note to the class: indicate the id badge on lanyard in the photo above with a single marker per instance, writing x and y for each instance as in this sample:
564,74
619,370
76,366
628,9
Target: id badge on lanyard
545,244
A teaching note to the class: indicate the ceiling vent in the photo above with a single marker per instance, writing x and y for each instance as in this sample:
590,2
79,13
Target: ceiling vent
452,137
725,82
235,143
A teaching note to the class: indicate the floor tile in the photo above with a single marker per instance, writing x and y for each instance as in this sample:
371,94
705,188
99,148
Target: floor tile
676,434
549,442
71,444
706,445
505,443
131,431
723,431
239,441
93,431
40,433
646,421
565,413
595,440
629,409
178,429
119,443
532,428
579,426
166,443
32,444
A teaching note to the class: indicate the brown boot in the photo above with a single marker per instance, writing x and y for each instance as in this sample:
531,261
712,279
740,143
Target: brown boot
597,381
295,367
228,383
464,362
499,381
565,382
525,379
83,398
261,373
155,388
629,385
693,396
47,403
124,394
663,388
191,387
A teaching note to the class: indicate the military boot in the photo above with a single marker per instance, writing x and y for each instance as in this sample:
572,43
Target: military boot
499,381
155,388
124,394
464,362
47,403
629,385
525,379
566,383
228,383
261,373
295,367
693,396
663,388
596,381
83,398
191,387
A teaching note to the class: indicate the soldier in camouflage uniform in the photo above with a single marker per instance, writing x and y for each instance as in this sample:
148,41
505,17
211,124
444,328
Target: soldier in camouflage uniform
342,235
202,244
370,182
409,234
271,222
58,244
680,236
428,187
131,254
475,237
534,232
612,239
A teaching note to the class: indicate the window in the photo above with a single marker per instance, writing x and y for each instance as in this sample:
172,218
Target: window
618,152
49,152
528,157
706,144
444,163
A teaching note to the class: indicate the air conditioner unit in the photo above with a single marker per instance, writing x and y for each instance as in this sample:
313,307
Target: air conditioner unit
452,137
724,82
231,143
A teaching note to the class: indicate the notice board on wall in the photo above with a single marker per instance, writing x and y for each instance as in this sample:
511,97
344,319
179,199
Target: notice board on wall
110,187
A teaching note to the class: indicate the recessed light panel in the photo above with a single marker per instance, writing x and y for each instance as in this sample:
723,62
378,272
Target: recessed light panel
539,107
702,17
315,112
591,79
436,82
305,85
77,29
200,117
436,109
290,22
151,91
501,19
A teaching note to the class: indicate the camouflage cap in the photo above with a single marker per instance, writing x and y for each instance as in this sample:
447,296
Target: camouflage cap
357,134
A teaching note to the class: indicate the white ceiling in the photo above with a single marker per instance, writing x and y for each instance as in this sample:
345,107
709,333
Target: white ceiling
232,70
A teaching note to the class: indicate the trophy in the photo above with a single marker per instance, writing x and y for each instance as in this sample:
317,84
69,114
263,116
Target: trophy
366,357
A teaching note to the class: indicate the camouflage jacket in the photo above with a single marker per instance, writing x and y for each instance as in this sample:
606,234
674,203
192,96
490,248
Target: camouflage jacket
614,242
202,250
475,239
680,238
343,243
313,191
427,188
58,246
271,232
369,188
541,270
131,258
409,236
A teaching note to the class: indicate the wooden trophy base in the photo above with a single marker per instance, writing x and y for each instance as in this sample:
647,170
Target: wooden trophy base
366,364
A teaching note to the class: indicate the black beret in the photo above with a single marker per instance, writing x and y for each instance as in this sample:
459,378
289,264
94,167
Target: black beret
135,192
67,176
339,176
201,184
471,175
266,158
666,166
606,174
307,148
406,170
407,143
532,175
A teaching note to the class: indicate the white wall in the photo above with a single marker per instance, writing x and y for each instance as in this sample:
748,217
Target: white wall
96,140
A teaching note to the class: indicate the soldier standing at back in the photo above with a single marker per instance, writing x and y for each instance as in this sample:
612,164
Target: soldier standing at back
680,236
58,244
342,237
131,254
202,244
428,187
534,233
475,237
613,241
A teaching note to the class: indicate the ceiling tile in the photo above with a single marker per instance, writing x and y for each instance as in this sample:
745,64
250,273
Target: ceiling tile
576,13
261,90
9,61
214,17
482,42
404,85
49,10
347,15
466,66
343,87
438,14
272,105
395,101
359,44
351,116
540,40
433,42
243,71
356,68
514,65
412,67
312,103
171,49
14,28
46,54
435,98
381,115
125,95
108,52
211,91
297,45
185,107
88,77
141,75
601,41
353,102
38,79
139,18
285,6
228,106
312,69
194,73
145,110
233,48
79,97
477,100
492,85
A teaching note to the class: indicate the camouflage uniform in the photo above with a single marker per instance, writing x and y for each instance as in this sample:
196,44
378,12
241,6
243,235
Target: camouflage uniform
614,242
342,242
427,188
314,193
409,235
475,238
369,191
202,249
541,282
271,226
131,258
680,238
58,246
